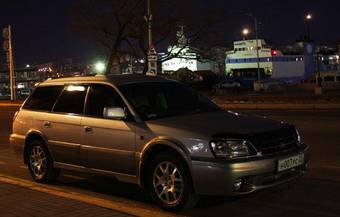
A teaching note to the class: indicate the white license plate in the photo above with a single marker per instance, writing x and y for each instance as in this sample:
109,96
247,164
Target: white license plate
288,163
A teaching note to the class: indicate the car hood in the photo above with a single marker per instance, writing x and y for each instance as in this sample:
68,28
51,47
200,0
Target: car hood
205,125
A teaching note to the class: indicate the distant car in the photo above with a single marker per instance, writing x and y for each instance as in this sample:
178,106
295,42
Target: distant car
270,84
25,92
230,84
156,133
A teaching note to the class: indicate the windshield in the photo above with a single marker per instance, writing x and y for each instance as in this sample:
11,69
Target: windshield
165,99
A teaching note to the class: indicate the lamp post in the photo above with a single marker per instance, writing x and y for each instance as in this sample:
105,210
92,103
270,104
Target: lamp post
308,18
152,53
8,47
256,23
318,88
257,48
149,21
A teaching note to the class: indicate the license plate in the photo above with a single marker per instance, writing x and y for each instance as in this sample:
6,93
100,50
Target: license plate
288,163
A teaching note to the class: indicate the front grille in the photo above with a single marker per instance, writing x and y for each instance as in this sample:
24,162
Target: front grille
277,141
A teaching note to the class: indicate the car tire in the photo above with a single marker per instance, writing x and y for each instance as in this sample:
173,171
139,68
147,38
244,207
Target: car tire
40,163
169,183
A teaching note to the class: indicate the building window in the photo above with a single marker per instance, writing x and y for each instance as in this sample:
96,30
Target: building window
329,78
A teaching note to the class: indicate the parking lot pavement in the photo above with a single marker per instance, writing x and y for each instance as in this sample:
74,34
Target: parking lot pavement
316,195
19,201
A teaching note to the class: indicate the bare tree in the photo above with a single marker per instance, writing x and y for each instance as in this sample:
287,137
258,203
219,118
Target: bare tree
118,25
108,22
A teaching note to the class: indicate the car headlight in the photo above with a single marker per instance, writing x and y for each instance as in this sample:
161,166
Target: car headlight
232,148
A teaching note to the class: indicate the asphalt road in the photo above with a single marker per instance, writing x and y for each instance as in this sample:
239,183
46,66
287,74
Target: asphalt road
317,194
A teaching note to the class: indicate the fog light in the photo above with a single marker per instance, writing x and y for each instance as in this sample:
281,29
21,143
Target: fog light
237,185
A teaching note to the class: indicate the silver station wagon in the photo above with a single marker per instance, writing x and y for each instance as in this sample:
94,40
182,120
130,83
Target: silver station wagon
156,133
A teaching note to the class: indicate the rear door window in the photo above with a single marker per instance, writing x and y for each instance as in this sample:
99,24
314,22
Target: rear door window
43,98
71,100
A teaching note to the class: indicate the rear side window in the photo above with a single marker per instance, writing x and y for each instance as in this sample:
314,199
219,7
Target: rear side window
43,98
71,100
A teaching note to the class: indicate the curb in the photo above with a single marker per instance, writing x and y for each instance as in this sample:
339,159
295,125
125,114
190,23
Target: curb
115,205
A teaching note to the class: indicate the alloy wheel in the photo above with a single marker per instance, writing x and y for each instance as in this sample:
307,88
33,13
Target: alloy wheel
38,162
168,183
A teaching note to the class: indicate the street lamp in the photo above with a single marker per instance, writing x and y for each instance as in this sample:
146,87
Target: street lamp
308,18
318,88
245,33
100,67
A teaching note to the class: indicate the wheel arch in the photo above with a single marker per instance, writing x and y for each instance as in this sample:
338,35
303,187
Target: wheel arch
158,146
30,137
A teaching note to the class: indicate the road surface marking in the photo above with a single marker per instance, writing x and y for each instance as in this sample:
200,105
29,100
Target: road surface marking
10,104
121,206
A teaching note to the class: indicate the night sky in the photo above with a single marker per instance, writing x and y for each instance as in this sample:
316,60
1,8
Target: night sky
41,32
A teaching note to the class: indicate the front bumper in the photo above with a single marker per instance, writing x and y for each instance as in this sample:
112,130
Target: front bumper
218,178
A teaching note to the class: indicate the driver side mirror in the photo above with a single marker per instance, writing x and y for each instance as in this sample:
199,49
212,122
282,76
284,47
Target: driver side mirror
114,113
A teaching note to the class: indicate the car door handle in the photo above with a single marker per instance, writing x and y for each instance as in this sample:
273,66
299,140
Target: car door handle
47,124
87,129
